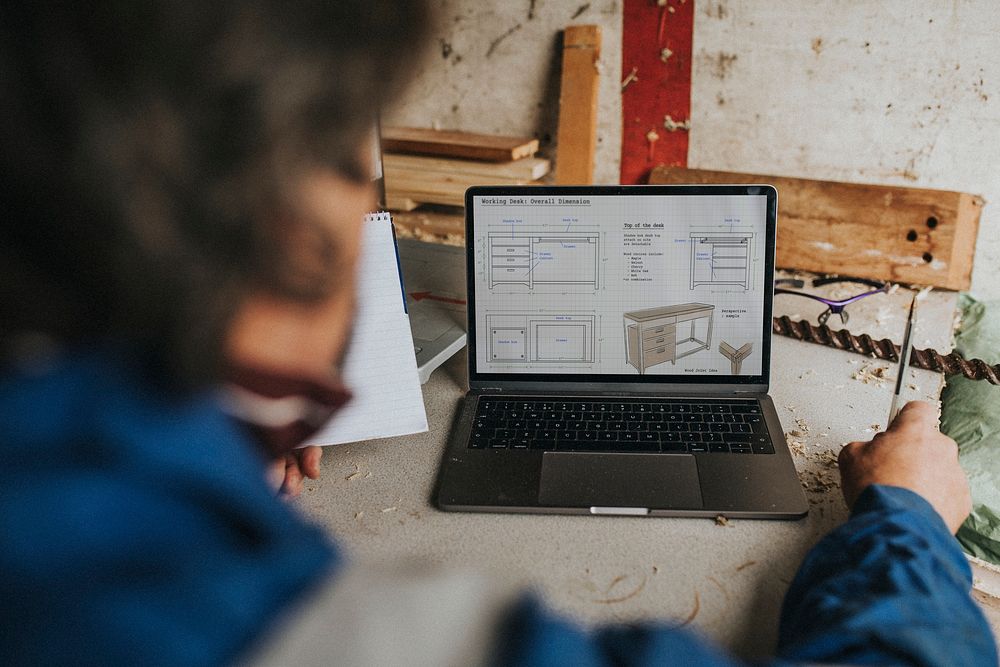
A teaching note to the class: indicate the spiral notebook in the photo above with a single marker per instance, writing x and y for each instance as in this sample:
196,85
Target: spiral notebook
380,369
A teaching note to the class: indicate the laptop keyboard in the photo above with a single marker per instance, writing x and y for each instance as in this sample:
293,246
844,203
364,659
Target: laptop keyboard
625,425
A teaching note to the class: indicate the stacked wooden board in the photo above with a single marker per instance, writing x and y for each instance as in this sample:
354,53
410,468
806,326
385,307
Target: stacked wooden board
424,166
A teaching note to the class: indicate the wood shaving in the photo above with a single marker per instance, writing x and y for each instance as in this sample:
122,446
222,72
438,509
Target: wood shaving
749,563
720,587
358,515
389,509
694,612
628,596
353,475
665,54
722,521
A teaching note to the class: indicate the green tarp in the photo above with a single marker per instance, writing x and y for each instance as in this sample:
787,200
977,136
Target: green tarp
971,415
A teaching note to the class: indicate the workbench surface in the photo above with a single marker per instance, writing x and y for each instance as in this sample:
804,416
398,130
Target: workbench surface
725,579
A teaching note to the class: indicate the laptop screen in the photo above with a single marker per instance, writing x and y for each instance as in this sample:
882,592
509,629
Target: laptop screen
623,282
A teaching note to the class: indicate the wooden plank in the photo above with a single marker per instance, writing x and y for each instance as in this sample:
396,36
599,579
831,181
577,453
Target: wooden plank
437,187
577,135
909,235
530,169
432,225
394,202
451,143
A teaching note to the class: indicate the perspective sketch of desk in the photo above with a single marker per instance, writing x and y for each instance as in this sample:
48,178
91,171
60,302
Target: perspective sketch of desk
533,259
651,334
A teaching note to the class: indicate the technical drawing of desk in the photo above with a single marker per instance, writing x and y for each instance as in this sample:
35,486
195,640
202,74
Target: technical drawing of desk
534,258
651,334
720,259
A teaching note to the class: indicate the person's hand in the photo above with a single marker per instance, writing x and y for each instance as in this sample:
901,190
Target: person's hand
914,455
288,473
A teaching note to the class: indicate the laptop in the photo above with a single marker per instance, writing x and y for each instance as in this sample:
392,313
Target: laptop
619,343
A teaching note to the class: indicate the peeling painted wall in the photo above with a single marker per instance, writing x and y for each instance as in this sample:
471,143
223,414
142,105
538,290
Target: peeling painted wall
893,92
496,68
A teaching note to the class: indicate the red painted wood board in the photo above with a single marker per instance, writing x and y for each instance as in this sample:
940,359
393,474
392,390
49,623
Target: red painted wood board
659,87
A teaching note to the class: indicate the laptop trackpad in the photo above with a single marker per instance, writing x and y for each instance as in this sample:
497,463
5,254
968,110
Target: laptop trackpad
660,481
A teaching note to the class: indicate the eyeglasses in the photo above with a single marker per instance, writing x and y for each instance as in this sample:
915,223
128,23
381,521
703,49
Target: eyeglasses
832,305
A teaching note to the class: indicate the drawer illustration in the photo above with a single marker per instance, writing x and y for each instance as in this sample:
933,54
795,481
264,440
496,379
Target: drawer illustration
659,331
556,258
508,344
658,355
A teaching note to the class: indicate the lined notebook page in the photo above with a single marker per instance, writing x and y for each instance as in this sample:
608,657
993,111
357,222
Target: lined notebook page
380,369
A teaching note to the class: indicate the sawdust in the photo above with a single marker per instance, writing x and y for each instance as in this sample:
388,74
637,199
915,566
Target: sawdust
819,481
873,373
797,447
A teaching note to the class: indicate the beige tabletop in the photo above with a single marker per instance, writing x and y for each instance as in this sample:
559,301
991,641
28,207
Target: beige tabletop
725,579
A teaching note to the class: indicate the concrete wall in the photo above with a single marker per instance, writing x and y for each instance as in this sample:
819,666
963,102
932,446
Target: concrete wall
495,69
896,92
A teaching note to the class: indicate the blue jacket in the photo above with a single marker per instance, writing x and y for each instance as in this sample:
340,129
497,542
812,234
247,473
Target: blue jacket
139,530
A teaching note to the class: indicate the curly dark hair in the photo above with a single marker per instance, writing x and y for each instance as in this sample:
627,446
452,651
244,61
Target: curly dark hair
148,150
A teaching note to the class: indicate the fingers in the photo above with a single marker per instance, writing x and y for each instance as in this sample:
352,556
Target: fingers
915,415
849,452
293,477
275,474
309,458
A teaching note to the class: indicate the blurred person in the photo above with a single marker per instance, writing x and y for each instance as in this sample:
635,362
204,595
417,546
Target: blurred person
184,192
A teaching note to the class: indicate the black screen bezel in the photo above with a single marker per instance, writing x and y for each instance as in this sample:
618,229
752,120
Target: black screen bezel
475,377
